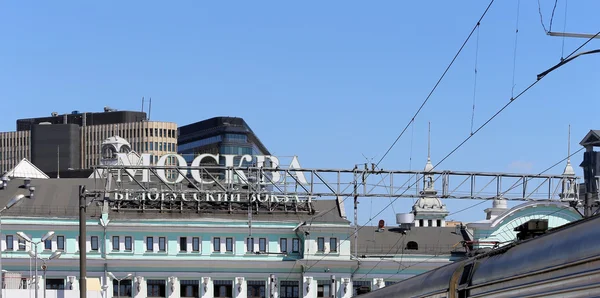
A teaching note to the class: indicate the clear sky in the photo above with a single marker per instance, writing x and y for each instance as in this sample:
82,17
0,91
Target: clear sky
329,81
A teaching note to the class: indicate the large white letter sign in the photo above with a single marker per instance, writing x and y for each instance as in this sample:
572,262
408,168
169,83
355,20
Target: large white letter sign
161,172
196,163
144,160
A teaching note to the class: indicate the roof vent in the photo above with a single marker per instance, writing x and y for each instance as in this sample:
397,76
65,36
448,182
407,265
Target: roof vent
4,182
54,114
32,192
27,182
109,109
405,220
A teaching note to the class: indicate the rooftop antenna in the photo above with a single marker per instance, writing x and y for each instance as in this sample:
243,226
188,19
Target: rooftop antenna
150,109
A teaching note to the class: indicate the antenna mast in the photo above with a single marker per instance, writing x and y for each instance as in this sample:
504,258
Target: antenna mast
150,109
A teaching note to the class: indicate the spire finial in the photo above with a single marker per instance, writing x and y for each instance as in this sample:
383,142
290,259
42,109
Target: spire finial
569,146
429,142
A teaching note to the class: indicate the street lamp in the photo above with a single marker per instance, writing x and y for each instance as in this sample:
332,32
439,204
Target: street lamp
55,255
119,282
48,236
11,203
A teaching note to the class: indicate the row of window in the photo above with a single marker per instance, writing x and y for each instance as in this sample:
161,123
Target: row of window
430,223
221,288
21,245
183,244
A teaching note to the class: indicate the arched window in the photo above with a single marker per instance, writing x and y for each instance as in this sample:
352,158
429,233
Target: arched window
412,245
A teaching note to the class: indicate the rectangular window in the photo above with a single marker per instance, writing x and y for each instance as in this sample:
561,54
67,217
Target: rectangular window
262,245
289,289
48,244
295,245
323,288
429,223
149,243
60,242
22,245
439,222
216,244
257,289
162,243
128,244
283,245
9,242
321,244
196,244
183,244
250,244
55,284
333,244
124,290
189,288
156,288
94,243
229,244
115,243
223,288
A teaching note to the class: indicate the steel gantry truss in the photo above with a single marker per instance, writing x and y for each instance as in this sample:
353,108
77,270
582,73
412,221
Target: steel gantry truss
296,185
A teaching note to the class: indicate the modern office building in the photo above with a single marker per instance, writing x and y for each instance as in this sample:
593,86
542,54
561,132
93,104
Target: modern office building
63,143
219,135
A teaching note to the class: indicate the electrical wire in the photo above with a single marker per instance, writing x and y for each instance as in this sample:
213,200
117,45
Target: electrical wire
512,91
421,107
460,145
552,16
564,30
475,79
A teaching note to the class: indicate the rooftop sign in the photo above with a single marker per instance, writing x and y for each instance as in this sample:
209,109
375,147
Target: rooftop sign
268,162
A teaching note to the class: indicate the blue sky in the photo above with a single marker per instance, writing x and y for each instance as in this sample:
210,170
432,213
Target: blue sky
329,81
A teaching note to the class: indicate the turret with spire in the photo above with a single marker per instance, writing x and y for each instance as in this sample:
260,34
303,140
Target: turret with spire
429,210
569,184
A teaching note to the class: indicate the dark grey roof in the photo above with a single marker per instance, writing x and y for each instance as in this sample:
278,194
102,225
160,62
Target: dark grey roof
60,198
592,138
430,240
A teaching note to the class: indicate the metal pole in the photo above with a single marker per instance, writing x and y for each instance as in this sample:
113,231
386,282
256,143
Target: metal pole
82,244
355,216
118,288
36,270
1,273
44,279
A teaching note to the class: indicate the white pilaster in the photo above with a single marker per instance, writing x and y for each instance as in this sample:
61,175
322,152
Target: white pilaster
140,288
240,288
173,288
206,287
309,287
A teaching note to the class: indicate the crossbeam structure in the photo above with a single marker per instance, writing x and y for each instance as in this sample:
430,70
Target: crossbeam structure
293,189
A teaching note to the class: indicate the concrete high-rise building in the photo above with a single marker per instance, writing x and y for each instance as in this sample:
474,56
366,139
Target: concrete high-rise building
61,143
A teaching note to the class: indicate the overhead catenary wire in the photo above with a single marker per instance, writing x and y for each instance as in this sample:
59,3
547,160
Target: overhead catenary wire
475,78
512,100
512,88
412,119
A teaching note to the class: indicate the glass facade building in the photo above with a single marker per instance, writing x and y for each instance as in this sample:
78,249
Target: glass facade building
219,135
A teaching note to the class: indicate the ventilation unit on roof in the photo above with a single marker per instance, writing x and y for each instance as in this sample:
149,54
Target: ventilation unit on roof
405,220
27,182
54,114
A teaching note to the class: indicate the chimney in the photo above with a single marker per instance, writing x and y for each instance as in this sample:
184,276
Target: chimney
27,182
